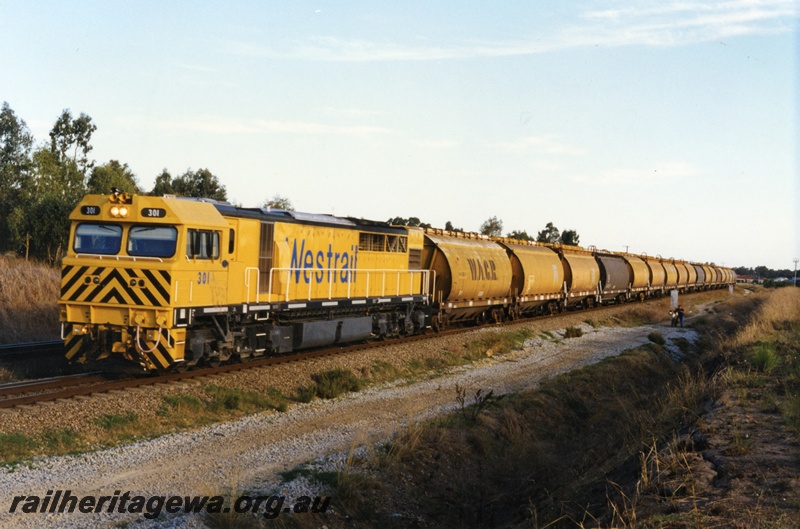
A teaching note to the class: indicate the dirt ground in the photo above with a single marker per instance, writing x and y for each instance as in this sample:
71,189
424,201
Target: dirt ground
736,466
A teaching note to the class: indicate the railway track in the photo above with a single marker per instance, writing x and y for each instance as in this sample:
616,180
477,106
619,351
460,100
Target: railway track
37,391
32,391
24,351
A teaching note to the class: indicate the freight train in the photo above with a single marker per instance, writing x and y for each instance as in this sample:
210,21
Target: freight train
166,283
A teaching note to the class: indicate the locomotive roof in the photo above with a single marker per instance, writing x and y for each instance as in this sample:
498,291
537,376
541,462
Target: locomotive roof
299,217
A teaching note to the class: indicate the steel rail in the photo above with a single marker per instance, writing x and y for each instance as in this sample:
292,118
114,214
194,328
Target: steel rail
87,388
17,351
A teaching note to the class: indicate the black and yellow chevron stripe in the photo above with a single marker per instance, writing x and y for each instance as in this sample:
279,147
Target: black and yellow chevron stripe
163,355
126,286
72,343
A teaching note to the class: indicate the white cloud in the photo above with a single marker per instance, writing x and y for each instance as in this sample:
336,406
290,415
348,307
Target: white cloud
654,23
659,173
680,23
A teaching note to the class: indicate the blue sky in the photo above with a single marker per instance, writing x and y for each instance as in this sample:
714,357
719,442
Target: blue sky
664,127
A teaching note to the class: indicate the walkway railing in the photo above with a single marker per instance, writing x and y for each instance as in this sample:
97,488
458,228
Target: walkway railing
361,283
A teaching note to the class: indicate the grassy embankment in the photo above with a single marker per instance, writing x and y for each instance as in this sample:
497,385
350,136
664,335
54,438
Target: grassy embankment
28,310
634,441
28,295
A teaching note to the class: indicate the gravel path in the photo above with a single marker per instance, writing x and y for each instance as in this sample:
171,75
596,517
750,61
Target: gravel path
247,454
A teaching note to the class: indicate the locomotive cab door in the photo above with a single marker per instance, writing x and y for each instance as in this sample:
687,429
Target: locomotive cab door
265,254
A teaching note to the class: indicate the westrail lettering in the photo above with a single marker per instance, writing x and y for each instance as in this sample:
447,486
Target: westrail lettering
323,265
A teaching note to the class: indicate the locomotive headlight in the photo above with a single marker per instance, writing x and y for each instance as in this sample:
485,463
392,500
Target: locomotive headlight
119,211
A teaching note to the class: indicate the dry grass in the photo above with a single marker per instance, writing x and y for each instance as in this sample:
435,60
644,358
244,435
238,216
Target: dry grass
540,449
616,444
778,310
28,295
177,412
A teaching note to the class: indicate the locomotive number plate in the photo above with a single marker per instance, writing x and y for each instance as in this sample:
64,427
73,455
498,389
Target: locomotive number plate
154,213
90,210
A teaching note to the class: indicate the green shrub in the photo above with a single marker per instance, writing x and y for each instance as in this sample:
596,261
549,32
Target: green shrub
183,403
306,393
656,338
334,382
111,421
15,446
765,357
235,399
64,440
573,332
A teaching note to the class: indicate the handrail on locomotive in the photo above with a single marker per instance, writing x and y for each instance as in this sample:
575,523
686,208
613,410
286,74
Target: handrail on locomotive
424,277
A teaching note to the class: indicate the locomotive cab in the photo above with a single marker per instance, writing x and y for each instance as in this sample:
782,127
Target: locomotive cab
130,260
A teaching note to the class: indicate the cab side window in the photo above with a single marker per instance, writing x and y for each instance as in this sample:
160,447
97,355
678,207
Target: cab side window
202,244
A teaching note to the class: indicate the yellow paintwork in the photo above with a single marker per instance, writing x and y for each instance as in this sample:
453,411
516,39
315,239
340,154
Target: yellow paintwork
537,269
671,272
466,267
640,271
189,282
124,293
322,262
658,275
581,271
692,273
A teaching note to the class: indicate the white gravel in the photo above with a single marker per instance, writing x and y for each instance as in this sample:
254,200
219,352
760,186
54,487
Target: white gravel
245,456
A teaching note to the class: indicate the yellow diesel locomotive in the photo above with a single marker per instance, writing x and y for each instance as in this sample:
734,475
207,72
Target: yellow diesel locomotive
159,283
167,282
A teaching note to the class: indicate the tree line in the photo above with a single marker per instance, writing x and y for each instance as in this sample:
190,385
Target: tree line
762,272
41,183
493,227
